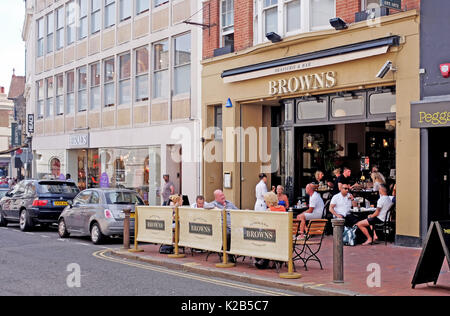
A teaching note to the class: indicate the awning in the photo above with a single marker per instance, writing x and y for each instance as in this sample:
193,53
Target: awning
312,60
4,152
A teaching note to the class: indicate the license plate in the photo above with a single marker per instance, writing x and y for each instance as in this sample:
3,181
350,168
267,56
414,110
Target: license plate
60,203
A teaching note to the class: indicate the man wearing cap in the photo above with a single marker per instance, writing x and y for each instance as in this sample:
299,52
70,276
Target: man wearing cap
168,189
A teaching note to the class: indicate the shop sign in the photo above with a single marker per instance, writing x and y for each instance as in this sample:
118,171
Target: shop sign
431,114
79,141
30,123
391,4
324,80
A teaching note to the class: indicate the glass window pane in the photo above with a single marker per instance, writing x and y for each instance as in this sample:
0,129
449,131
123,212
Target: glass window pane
271,20
381,103
142,88
321,12
70,103
183,49
316,109
59,85
348,106
182,79
95,75
161,53
124,66
109,95
142,6
142,60
293,15
160,84
70,81
125,9
82,78
110,13
109,70
95,98
124,92
157,3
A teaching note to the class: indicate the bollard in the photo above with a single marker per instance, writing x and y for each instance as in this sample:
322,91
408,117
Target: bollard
177,254
136,221
126,229
338,250
225,263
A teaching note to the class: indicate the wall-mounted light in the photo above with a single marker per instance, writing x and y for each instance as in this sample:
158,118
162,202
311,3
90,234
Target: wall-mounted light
338,24
274,37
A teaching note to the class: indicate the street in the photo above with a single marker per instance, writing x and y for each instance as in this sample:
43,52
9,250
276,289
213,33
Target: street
39,263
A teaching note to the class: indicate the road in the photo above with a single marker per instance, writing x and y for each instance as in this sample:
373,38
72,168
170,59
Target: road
40,263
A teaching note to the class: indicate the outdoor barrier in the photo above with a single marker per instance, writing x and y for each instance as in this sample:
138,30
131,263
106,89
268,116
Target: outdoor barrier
201,229
265,235
260,235
154,224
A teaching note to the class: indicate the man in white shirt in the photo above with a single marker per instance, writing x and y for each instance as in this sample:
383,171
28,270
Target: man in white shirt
341,204
200,203
261,189
315,210
383,206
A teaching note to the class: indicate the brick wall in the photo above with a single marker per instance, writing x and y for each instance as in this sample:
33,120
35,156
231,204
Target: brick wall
211,35
243,24
346,9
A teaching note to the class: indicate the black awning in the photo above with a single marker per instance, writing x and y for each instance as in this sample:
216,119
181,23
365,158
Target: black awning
387,41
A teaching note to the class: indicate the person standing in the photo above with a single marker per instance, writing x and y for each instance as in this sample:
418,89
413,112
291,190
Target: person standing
168,189
261,189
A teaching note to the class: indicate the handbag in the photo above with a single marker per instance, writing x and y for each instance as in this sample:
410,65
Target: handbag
349,236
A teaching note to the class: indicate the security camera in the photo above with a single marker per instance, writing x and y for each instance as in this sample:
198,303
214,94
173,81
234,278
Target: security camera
385,69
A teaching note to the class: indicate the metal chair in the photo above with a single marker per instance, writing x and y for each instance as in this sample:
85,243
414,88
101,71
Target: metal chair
307,248
388,227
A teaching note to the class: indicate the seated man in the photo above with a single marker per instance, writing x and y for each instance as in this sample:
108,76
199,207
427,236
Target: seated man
200,203
383,206
315,210
341,204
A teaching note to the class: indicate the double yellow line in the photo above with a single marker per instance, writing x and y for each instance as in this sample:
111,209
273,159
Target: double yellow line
102,255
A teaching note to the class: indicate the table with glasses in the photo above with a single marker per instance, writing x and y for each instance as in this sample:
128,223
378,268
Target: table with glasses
368,194
362,213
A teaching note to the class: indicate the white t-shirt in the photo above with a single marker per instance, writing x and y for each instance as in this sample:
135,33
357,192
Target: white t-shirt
384,203
316,201
343,204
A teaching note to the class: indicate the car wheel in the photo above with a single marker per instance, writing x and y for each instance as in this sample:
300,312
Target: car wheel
62,229
97,236
25,221
3,221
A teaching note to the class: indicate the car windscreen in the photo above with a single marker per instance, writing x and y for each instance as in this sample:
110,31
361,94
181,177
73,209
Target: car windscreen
123,198
57,188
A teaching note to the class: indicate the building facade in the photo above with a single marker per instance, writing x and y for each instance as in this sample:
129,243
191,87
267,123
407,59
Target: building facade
114,87
289,96
6,119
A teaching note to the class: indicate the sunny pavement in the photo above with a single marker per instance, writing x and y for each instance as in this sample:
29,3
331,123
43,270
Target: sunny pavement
397,266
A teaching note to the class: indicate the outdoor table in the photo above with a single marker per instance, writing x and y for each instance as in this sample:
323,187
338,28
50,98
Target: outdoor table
362,213
368,194
298,210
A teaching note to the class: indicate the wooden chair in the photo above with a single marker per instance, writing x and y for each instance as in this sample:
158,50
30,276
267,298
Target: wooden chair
307,248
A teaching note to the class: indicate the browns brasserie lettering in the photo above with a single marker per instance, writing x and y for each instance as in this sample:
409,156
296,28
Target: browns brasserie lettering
155,225
201,229
303,83
268,235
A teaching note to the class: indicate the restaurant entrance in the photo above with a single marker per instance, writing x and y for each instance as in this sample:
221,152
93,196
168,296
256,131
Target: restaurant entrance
439,174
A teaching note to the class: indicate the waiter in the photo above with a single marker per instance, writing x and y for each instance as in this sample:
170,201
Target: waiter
261,189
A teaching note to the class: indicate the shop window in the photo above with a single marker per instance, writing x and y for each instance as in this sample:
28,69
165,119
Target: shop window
382,103
352,105
119,171
55,167
312,109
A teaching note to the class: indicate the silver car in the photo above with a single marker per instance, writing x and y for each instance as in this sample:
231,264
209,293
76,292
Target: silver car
98,213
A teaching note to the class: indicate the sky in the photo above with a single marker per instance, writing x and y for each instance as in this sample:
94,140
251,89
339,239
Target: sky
12,49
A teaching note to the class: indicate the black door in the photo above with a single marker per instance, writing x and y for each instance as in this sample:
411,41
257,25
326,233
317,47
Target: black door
439,174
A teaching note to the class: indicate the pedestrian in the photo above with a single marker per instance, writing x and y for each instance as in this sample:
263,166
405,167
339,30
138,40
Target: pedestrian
261,189
168,189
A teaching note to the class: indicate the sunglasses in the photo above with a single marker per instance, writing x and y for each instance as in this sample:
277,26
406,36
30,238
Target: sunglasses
345,188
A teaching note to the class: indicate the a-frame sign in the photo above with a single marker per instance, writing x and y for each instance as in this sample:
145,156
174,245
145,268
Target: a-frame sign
434,252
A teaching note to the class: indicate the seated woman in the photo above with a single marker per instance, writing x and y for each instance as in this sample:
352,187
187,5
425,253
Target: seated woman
271,200
378,180
282,198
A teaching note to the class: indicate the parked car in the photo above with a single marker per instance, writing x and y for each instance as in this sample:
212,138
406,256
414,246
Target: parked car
34,202
98,213
3,192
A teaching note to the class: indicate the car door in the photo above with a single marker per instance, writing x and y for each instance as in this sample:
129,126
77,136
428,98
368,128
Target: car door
91,208
17,200
74,220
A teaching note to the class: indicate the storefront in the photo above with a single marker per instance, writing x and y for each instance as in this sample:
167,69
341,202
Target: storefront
317,101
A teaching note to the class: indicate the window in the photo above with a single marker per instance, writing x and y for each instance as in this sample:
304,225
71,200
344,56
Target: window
110,13
83,27
382,103
353,105
227,23
40,98
95,95
312,109
70,20
82,89
142,74
218,122
40,37
70,90
125,9
142,6
182,64
161,69
96,18
50,27
124,79
49,97
289,17
59,94
109,90
59,28
157,3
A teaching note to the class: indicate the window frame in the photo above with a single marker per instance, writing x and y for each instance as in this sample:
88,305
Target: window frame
160,70
60,34
59,107
109,83
50,32
97,13
93,85
140,74
40,48
71,18
181,65
70,92
40,97
83,18
107,6
49,109
82,92
229,27
130,10
123,79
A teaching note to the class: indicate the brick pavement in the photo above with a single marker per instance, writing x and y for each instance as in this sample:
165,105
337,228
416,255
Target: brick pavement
397,269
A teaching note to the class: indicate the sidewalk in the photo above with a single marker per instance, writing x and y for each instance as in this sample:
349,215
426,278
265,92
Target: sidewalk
397,269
